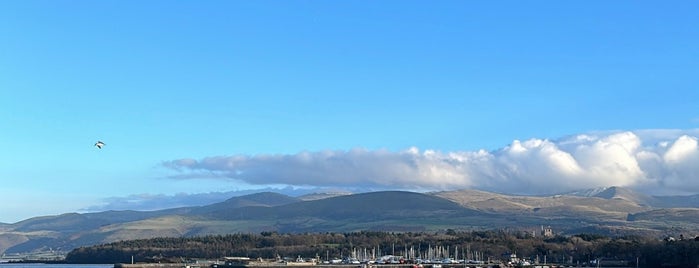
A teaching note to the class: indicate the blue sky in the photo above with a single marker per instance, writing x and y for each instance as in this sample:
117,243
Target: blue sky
209,97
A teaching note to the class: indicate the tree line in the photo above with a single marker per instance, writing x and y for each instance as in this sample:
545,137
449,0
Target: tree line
493,245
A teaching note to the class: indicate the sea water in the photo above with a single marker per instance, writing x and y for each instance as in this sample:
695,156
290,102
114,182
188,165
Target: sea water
41,265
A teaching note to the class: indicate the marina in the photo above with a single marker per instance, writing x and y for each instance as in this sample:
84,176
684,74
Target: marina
244,262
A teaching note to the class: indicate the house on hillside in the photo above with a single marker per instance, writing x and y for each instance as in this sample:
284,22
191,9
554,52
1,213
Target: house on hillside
547,231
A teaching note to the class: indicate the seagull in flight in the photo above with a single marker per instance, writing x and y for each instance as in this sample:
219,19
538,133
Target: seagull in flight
99,144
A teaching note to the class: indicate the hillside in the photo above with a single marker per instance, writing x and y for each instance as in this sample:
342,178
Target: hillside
400,211
676,215
551,206
691,201
264,199
615,211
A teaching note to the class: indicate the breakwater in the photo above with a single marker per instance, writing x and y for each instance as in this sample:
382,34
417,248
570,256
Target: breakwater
205,265
280,265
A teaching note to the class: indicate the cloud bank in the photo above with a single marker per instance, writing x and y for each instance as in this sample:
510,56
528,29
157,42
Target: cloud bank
654,161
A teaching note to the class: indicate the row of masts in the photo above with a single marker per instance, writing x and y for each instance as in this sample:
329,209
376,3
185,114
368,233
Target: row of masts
431,254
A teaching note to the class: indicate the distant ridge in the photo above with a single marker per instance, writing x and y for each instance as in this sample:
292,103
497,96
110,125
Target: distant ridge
592,192
626,194
615,192
691,201
678,216
615,210
263,199
317,196
374,205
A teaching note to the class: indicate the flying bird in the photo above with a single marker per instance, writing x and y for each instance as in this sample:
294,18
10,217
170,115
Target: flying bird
99,144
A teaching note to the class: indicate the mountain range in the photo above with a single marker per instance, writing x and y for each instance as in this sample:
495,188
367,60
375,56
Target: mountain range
610,211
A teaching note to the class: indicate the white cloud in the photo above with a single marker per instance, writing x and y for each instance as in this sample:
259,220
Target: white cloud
664,161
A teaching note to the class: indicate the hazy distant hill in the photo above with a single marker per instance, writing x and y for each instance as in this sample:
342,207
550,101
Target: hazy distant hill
626,194
75,222
640,198
691,201
316,196
614,210
265,199
677,215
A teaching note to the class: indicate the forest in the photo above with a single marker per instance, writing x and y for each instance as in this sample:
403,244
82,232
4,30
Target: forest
470,245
